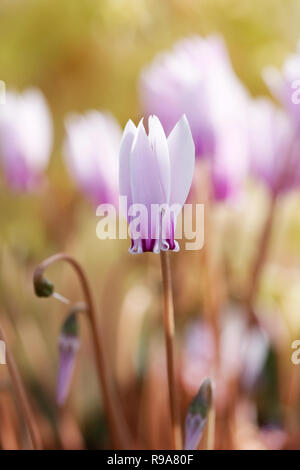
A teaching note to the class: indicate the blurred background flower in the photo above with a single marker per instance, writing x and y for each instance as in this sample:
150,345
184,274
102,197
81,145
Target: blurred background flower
274,147
91,152
284,84
197,79
25,138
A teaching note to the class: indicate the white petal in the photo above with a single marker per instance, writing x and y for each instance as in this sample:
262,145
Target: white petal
158,142
182,160
124,163
148,184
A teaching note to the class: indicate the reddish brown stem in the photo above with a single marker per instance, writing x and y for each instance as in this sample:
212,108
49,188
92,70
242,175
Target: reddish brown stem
169,327
117,425
211,270
260,258
212,280
34,435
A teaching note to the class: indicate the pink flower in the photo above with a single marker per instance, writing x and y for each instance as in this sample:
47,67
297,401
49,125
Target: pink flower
91,153
243,353
197,78
274,147
155,170
25,138
285,84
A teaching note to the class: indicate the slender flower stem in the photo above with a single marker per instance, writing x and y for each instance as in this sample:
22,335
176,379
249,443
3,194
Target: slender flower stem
211,279
118,428
211,270
210,441
260,258
34,435
169,326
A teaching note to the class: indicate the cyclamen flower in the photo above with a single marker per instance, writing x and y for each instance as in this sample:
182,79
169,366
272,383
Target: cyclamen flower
285,84
25,138
197,79
155,170
274,147
91,153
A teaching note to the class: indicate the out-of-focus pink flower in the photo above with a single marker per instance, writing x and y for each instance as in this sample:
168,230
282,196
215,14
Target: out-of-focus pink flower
285,84
274,147
198,356
25,138
91,151
243,353
197,79
68,347
244,349
155,170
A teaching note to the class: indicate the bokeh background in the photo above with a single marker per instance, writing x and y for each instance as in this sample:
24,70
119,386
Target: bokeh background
88,55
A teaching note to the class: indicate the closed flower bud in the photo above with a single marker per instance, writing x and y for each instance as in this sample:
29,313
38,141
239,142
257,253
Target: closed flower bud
42,287
68,346
197,416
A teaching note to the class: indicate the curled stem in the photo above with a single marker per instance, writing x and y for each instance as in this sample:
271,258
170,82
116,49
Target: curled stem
169,327
117,425
34,435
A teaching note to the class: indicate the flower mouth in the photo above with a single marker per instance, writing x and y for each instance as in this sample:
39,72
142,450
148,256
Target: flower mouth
162,235
151,245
